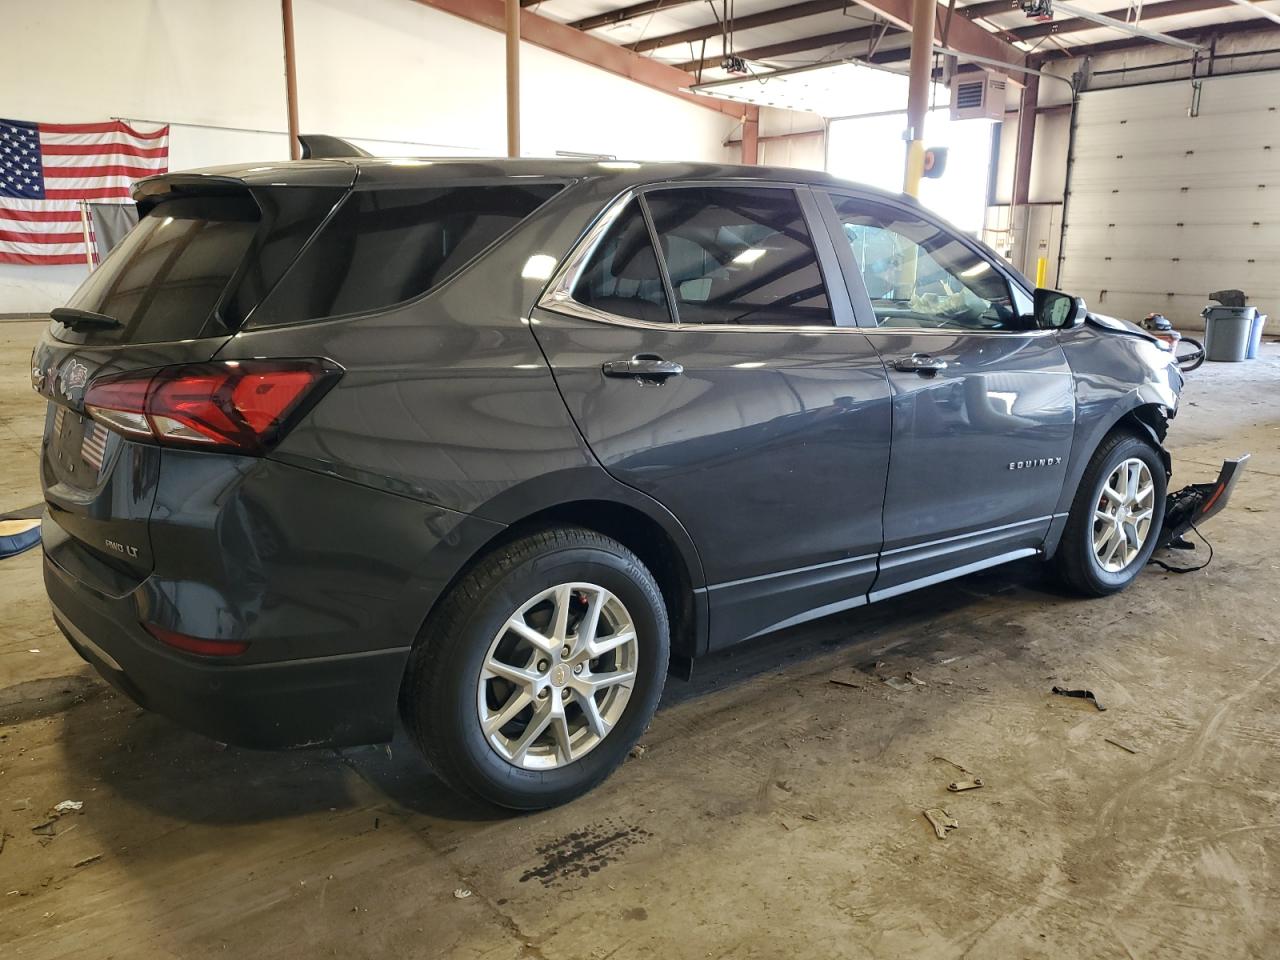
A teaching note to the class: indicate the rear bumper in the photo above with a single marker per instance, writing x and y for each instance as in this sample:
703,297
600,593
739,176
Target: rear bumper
335,700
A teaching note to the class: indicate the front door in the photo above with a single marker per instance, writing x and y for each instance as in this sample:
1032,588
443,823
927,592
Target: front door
983,403
724,388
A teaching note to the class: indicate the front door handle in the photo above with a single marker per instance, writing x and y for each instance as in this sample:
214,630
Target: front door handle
919,363
643,367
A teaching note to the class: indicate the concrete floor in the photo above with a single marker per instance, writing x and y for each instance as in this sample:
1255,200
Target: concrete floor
773,812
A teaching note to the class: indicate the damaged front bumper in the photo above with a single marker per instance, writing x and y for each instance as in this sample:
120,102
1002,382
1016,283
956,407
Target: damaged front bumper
1193,504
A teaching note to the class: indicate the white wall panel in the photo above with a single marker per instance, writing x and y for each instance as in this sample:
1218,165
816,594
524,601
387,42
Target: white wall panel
1165,208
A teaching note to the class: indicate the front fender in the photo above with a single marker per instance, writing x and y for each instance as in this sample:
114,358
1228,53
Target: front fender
1117,379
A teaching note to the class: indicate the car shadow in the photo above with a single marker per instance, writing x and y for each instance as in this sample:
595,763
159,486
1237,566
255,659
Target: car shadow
157,765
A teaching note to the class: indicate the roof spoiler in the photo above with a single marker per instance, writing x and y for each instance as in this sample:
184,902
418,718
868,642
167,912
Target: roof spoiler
317,146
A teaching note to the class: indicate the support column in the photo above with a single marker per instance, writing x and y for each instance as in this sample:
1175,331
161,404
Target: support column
922,19
513,78
290,79
751,136
1026,140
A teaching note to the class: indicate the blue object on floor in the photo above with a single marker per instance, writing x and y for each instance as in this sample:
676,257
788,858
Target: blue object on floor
25,535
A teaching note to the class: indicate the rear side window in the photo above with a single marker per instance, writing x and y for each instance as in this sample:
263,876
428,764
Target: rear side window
382,247
622,276
739,255
164,279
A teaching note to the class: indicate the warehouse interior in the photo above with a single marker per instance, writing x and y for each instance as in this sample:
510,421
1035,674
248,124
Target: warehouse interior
778,803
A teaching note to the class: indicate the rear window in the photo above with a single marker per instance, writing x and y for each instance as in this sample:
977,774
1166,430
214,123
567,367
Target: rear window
383,247
164,279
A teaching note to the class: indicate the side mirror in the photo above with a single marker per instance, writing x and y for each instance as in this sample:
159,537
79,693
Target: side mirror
1058,311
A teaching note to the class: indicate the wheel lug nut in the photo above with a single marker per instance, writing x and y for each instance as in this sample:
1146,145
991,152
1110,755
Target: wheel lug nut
565,652
544,693
577,669
542,666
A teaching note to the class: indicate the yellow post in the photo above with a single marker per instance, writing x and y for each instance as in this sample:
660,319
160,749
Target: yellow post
922,15
1042,269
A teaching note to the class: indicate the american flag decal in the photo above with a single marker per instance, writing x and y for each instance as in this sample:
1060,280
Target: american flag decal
94,447
46,169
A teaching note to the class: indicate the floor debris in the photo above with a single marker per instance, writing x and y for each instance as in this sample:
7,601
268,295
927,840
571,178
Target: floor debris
1123,746
912,678
68,806
953,763
844,683
897,683
461,893
636,752
86,861
941,821
1080,694
961,785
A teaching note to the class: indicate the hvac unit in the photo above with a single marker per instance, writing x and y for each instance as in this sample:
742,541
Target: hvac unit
977,95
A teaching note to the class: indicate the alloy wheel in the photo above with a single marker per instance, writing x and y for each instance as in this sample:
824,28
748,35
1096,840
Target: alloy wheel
1122,516
557,677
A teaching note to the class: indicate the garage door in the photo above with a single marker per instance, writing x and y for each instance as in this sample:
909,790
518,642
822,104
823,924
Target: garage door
1174,195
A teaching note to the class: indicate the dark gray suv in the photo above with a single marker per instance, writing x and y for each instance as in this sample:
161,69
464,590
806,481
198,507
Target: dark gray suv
486,444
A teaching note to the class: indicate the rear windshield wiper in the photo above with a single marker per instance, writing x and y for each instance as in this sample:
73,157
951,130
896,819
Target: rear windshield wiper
78,319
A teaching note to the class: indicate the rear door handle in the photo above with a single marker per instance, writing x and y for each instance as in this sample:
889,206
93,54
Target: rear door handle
919,363
643,367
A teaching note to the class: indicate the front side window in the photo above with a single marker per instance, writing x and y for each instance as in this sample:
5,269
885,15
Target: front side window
622,276
919,275
739,255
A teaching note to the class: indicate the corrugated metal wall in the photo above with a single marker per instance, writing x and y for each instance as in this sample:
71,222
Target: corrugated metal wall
1165,207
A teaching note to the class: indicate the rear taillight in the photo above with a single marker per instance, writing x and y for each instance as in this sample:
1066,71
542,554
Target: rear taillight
206,648
241,405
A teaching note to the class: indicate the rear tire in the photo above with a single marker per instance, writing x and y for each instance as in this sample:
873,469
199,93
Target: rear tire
1115,518
511,646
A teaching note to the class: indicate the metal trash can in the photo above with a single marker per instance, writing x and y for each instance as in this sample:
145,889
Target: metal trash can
1228,332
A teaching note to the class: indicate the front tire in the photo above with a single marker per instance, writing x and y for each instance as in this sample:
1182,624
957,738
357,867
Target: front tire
1115,518
539,670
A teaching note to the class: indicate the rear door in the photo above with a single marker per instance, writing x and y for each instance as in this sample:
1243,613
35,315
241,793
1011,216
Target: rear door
983,403
176,288
733,388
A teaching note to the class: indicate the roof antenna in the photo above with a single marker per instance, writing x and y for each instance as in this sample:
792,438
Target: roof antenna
316,146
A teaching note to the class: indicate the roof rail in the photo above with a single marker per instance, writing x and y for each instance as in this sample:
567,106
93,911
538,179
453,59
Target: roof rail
317,146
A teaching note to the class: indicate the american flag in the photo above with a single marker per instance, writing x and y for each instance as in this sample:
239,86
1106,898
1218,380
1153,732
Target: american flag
46,169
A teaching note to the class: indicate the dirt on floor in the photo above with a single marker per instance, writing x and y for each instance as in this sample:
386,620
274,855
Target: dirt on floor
776,809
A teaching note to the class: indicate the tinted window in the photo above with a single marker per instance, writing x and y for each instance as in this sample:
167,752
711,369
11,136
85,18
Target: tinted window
739,255
290,215
385,246
622,276
164,279
919,275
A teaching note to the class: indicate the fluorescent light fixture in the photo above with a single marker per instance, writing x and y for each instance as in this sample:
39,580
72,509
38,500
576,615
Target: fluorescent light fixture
750,255
539,267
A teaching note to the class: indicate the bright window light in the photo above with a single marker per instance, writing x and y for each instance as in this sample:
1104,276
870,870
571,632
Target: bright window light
871,150
749,255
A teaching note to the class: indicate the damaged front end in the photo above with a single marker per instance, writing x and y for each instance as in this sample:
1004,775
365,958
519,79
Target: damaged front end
1195,503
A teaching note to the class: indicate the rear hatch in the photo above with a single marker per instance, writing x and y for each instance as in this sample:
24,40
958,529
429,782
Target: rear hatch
206,250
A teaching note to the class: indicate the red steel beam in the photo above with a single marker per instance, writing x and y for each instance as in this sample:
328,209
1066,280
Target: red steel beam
565,40
622,15
965,36
768,18
786,47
